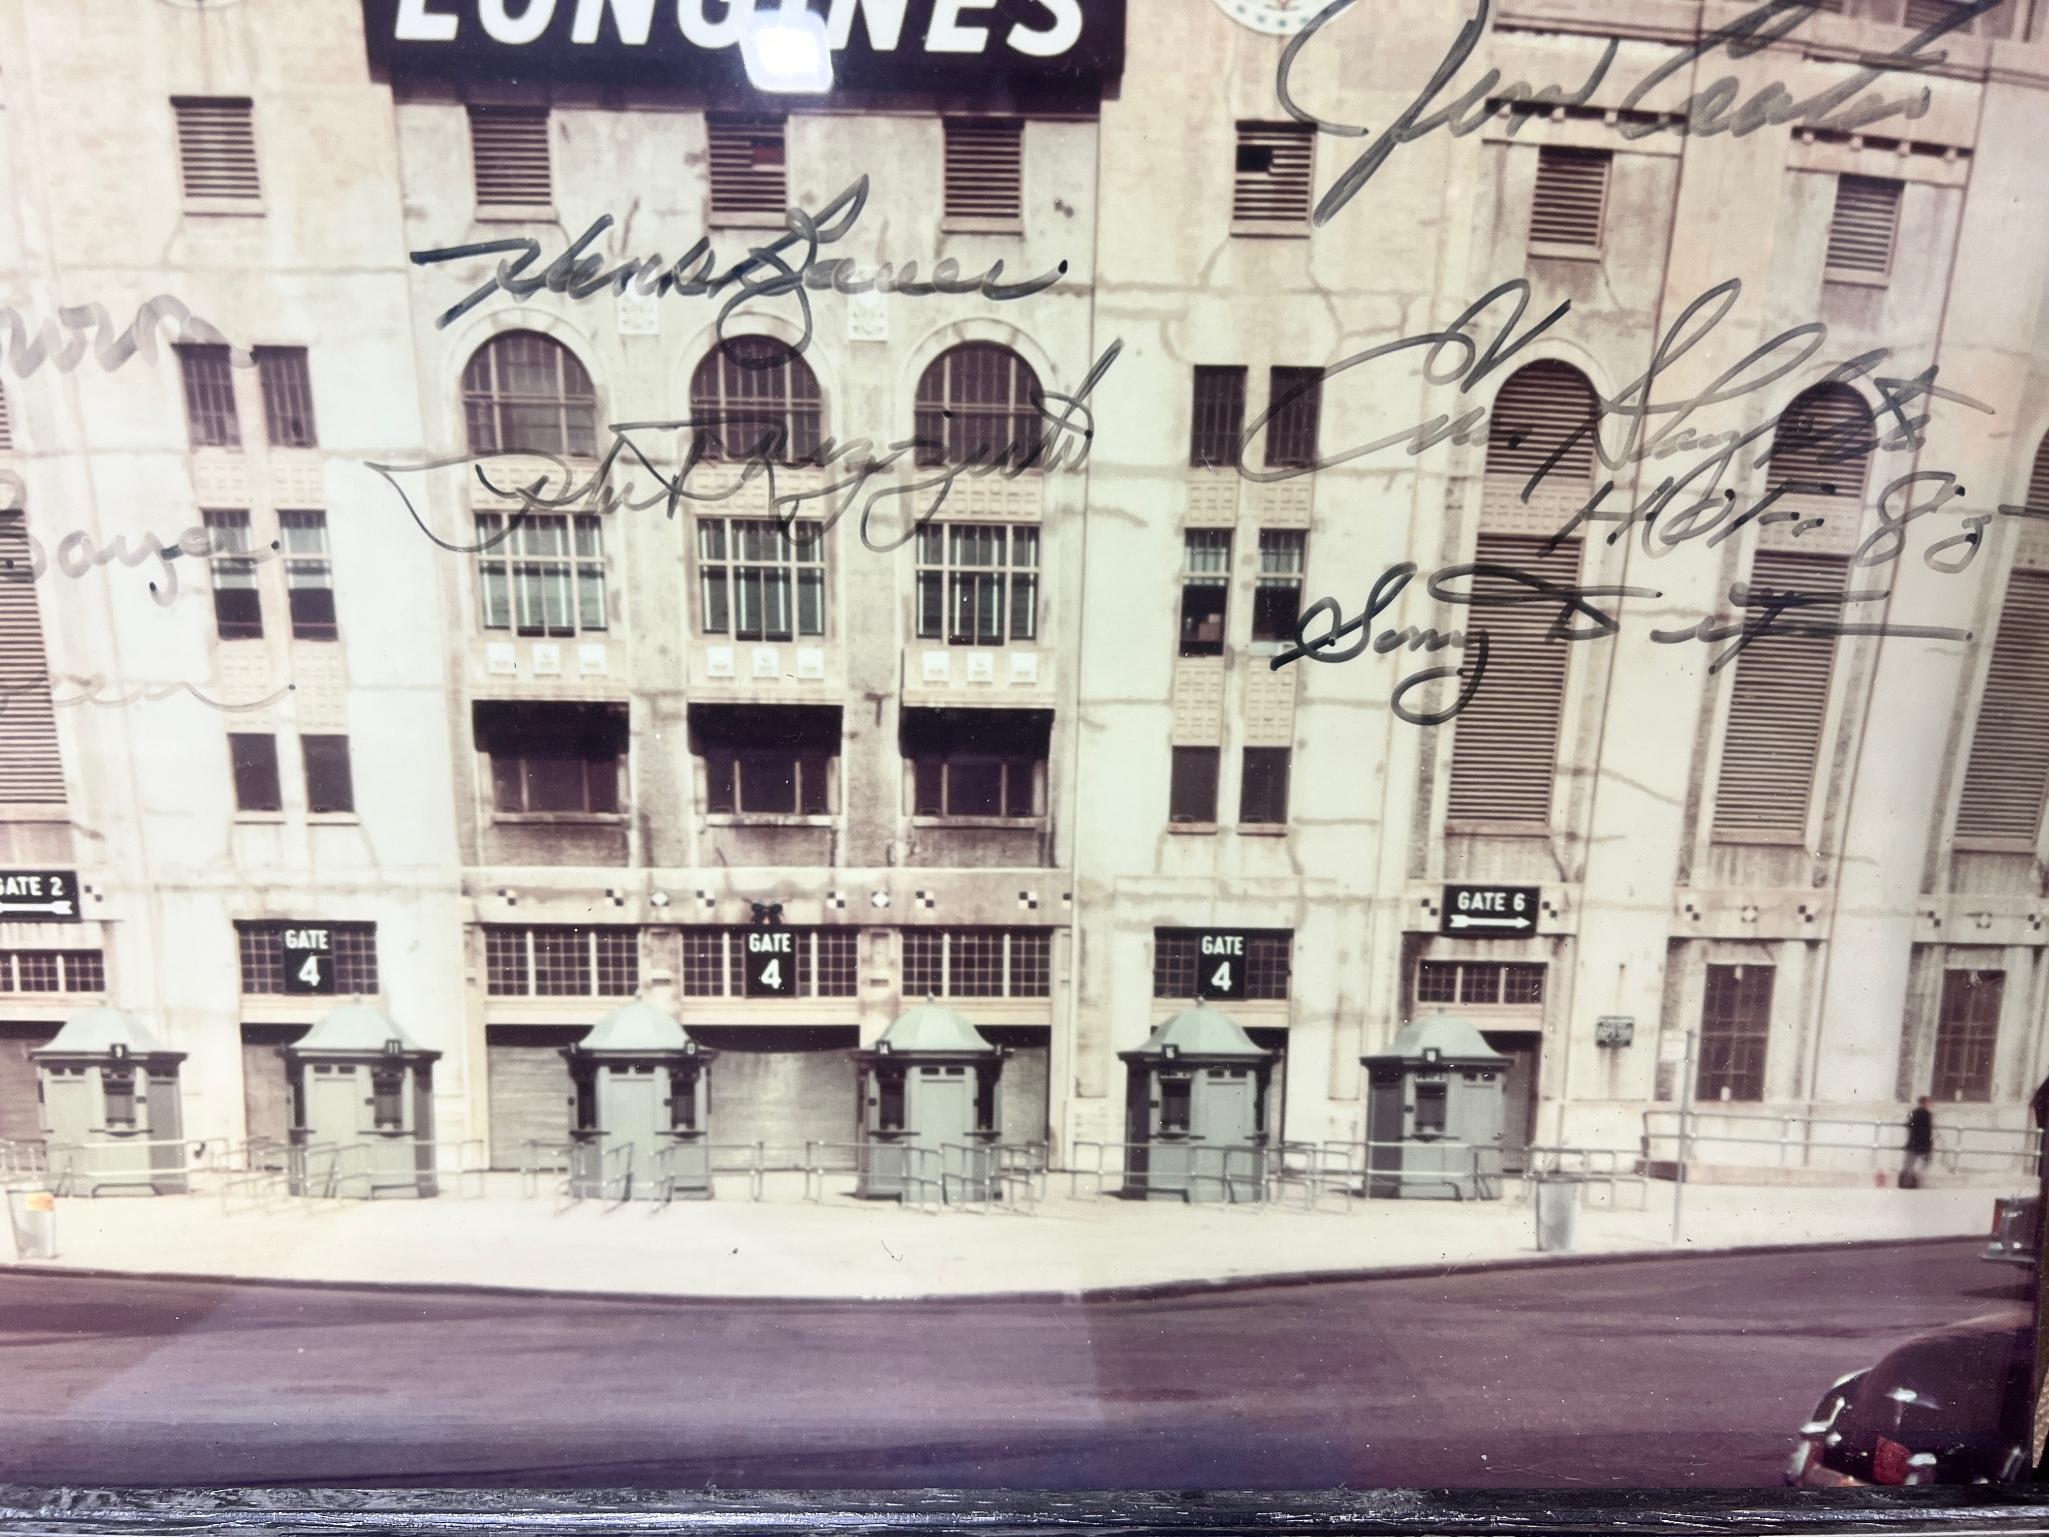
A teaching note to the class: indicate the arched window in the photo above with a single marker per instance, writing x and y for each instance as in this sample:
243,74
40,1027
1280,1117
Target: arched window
754,398
1543,405
526,393
979,403
1822,448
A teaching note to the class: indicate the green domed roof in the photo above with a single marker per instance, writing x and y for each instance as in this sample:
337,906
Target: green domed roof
928,1027
358,1028
637,1026
1452,1038
1201,1032
93,1032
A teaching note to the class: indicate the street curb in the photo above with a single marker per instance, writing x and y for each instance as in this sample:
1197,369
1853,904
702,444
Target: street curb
1158,1291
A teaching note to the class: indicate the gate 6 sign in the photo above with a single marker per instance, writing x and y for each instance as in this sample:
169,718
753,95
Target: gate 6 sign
309,958
1220,965
38,896
771,963
1506,912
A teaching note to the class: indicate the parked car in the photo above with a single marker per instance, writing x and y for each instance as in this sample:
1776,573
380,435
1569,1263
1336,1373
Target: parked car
1950,1407
2016,1229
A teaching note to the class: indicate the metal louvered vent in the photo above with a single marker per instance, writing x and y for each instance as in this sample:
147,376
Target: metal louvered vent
1541,407
1571,195
1778,702
6,423
1861,231
984,168
217,147
1504,745
1821,451
509,154
1274,173
31,772
748,165
2008,770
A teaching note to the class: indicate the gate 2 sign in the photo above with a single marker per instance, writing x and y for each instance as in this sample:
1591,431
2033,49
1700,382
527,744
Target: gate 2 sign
1220,966
771,963
1479,912
38,896
309,959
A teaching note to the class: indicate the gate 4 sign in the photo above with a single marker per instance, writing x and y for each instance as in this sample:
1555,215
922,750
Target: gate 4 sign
771,963
1220,966
38,896
1478,911
309,959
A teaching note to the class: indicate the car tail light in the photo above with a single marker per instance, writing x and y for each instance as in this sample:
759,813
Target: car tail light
1888,1462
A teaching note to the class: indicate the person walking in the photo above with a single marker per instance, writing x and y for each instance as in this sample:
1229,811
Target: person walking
1920,1145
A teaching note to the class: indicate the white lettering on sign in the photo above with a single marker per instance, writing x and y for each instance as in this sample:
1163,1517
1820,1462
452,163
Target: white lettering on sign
1223,944
1056,40
885,20
634,18
775,942
21,886
417,24
306,939
524,28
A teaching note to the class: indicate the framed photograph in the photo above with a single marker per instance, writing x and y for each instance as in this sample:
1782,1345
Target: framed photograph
941,764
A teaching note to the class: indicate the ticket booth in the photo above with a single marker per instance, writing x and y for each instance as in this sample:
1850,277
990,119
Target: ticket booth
110,1107
929,1109
641,1126
362,1107
1196,1111
1436,1104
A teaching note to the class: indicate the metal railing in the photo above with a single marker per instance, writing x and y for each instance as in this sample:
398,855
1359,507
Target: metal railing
1316,1170
87,1168
1470,1169
918,1174
1795,1138
538,1158
21,1160
1602,1168
711,1159
1231,1173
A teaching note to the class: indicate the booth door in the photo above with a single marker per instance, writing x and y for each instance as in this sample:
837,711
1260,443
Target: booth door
632,1110
1228,1106
946,1106
21,1116
333,1104
1519,1101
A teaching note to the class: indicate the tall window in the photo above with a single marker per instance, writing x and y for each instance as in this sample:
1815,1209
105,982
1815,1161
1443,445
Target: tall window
1219,417
978,583
287,396
1192,785
1967,1034
1570,200
715,962
1277,596
749,164
979,403
1504,746
1177,961
1205,590
253,758
1735,1023
767,760
330,785
309,578
759,579
1263,787
752,397
567,961
526,393
209,380
260,945
237,606
976,763
978,963
509,157
552,757
544,577
1294,401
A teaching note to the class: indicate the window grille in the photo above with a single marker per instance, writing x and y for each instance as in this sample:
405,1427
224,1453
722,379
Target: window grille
978,583
760,579
1735,1025
526,393
546,576
352,946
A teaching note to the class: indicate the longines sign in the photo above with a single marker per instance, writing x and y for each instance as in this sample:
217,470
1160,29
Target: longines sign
899,43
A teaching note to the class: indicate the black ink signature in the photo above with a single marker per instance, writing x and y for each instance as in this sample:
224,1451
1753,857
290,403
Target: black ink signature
78,556
763,274
1704,113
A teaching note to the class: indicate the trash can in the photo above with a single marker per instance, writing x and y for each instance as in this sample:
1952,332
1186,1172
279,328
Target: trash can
32,1214
1557,1203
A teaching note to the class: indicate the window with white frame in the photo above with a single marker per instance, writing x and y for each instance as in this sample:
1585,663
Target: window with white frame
309,575
1205,590
1277,594
760,578
561,961
754,397
976,763
767,760
715,962
542,573
237,605
53,971
977,963
978,583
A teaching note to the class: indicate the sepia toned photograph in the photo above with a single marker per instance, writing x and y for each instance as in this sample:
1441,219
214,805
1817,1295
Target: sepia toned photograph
1023,745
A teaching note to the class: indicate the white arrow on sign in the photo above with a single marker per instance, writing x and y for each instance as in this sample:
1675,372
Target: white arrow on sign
61,906
1467,921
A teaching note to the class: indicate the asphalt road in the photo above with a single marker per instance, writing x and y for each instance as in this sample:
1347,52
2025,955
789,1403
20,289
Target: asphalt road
1665,1372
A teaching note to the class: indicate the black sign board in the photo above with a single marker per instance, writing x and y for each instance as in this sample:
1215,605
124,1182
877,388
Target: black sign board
308,951
902,44
1483,912
771,963
1219,964
38,896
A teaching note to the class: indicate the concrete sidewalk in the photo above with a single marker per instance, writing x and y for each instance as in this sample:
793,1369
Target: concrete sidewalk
846,1249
